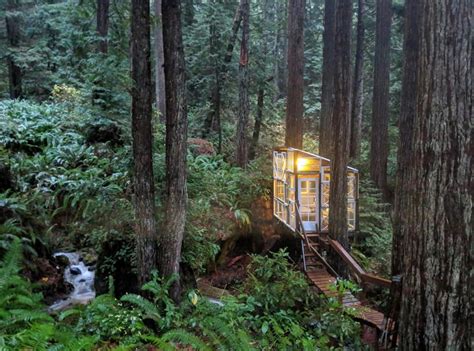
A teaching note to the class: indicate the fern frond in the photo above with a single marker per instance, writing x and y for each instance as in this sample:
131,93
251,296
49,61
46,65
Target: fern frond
228,337
185,337
159,343
148,308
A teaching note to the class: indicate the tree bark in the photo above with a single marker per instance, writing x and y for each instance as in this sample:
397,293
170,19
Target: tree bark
380,105
281,51
103,24
176,144
241,152
258,124
341,128
327,89
294,104
12,22
159,63
142,140
213,116
233,38
358,84
406,120
437,299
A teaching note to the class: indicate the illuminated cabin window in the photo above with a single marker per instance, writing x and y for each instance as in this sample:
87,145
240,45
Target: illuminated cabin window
325,188
302,181
291,216
279,168
351,201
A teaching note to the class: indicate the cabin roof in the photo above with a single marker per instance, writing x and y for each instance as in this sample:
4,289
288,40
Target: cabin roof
310,154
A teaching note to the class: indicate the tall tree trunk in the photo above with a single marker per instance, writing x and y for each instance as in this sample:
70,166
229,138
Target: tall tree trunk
294,104
281,51
160,90
176,144
437,299
358,83
233,37
341,128
12,22
103,24
380,105
241,152
258,124
213,116
142,140
407,114
327,89
267,20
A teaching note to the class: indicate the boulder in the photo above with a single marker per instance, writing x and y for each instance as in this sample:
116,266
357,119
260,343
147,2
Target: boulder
75,271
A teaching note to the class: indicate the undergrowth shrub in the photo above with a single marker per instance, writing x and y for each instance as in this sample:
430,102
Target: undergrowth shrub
24,324
276,283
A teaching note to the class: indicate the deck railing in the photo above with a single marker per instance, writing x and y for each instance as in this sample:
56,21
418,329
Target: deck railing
336,246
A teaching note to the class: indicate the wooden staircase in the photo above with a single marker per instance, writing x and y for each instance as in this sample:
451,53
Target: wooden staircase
323,276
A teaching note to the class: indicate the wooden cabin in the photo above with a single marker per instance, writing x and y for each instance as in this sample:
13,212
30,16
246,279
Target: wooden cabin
303,179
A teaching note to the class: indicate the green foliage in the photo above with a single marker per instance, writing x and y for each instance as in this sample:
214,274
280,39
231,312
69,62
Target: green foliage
374,242
60,179
20,307
109,319
276,283
24,324
161,308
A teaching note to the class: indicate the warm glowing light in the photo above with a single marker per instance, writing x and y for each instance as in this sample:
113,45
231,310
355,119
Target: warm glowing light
302,162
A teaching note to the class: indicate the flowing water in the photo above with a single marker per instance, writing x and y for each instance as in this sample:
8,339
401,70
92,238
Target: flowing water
81,277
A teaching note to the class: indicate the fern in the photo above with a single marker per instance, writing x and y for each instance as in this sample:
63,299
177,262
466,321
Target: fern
159,343
150,311
224,336
186,338
161,308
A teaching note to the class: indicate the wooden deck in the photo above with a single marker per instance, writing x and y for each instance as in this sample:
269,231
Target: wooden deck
322,280
322,275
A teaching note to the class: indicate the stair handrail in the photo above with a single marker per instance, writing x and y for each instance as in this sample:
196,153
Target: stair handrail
300,228
356,268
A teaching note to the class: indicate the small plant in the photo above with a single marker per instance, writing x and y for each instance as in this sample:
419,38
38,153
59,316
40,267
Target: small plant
276,284
336,320
109,319
160,308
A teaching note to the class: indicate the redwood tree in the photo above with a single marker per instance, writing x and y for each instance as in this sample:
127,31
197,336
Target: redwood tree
294,102
213,116
327,89
176,144
341,127
280,50
407,113
358,83
438,255
103,24
144,190
380,105
241,153
160,91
